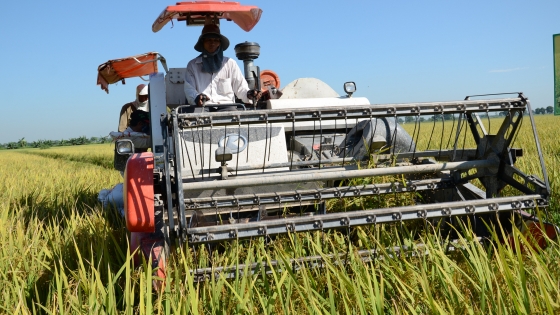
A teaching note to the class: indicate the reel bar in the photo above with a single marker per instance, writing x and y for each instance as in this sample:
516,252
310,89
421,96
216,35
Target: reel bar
311,262
349,112
220,233
297,196
313,175
380,158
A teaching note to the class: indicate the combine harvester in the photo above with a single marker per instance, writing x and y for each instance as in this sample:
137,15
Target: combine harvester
269,169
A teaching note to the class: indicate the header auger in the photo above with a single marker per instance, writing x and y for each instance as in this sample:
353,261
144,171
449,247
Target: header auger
270,169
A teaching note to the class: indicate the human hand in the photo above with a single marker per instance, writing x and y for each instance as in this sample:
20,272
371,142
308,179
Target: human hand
201,99
254,94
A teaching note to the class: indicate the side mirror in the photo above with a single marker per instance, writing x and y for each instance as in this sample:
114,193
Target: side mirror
125,147
349,88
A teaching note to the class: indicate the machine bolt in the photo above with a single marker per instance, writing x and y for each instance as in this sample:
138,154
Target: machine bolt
397,216
412,187
516,205
233,233
262,230
318,224
493,207
422,214
371,219
446,211
345,221
469,209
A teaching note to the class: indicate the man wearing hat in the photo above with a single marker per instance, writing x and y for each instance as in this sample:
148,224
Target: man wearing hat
138,132
212,78
141,102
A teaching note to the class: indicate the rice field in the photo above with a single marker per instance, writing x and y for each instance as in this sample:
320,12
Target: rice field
63,253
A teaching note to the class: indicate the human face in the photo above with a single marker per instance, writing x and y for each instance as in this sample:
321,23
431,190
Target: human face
142,98
211,44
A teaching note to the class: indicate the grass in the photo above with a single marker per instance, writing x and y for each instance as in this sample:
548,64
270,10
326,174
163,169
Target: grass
61,252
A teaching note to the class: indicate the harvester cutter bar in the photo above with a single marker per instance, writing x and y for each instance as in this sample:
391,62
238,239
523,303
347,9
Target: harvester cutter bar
220,233
316,261
296,196
349,112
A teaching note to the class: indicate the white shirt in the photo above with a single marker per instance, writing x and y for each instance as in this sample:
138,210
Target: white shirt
221,87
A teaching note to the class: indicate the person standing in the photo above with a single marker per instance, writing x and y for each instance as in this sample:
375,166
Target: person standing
141,102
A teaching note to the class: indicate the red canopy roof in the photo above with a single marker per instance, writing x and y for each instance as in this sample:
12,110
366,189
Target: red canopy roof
246,16
117,70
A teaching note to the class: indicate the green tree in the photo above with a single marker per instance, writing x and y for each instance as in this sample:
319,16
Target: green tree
22,143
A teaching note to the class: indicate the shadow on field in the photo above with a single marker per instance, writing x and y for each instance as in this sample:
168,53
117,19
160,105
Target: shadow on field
101,161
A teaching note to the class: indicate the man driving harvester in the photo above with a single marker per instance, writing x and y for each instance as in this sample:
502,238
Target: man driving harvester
212,78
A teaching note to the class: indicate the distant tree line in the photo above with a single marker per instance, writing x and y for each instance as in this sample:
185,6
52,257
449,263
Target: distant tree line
439,117
44,144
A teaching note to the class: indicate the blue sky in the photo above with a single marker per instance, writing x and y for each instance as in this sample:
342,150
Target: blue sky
395,51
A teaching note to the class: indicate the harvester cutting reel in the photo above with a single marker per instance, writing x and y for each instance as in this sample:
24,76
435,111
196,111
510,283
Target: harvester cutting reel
245,174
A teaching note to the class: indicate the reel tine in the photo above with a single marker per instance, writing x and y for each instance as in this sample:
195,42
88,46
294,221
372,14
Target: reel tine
248,142
394,137
417,136
270,141
320,139
293,137
451,133
210,152
457,135
188,155
225,137
353,147
345,139
442,133
201,141
370,139
432,133
334,136
487,139
194,145
265,144
238,137
464,138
